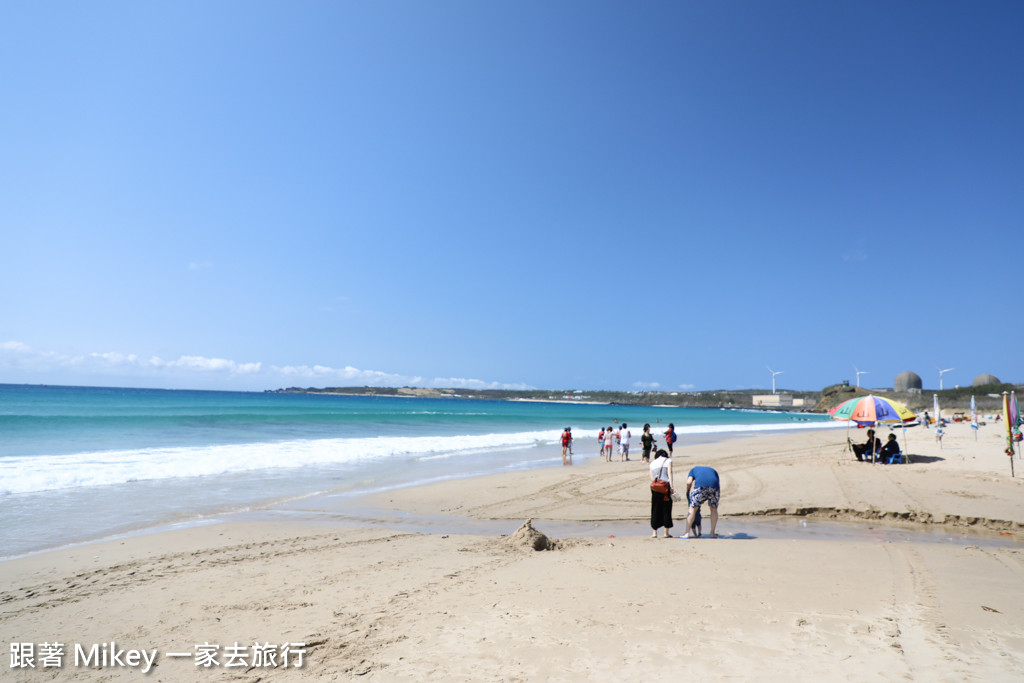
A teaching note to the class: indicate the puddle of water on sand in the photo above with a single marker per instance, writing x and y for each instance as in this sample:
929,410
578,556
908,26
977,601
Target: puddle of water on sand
729,528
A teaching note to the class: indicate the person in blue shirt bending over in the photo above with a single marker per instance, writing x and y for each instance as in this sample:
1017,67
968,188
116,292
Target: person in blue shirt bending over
702,485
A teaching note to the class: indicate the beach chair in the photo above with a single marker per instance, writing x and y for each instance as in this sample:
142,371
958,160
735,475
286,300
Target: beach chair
898,457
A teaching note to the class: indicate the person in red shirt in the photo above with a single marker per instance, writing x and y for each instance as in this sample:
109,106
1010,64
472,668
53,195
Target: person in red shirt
670,437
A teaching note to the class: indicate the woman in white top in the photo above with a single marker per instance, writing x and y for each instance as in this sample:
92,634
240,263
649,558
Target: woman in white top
661,503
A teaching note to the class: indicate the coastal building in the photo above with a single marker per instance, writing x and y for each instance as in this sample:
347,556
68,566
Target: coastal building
985,380
777,401
908,381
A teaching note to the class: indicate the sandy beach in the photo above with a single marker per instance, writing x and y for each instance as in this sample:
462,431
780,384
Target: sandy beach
927,585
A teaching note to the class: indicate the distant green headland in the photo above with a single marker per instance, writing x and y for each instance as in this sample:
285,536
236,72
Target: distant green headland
988,398
700,399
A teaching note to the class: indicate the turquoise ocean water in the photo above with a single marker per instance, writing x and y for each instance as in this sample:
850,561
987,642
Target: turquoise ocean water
79,463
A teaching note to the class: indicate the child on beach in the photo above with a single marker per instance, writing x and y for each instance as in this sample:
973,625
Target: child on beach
647,443
695,527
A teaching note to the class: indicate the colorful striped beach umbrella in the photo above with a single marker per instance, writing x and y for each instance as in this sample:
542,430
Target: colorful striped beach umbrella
870,410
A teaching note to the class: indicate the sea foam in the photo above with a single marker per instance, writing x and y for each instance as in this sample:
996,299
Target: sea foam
48,473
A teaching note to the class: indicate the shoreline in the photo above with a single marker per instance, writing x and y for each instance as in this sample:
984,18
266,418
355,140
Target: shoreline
449,485
129,505
562,400
834,486
370,594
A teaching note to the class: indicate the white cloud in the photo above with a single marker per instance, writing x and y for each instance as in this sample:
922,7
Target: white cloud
350,375
214,365
649,386
15,347
346,374
687,387
855,256
461,383
30,365
199,363
20,355
116,358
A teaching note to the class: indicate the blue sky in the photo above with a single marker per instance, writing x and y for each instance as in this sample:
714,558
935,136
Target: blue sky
596,195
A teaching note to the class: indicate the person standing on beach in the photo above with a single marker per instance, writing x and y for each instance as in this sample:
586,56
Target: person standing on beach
608,436
600,442
624,442
647,442
670,437
703,485
567,446
661,503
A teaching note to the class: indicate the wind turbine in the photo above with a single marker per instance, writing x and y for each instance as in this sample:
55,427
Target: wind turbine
859,373
941,373
774,372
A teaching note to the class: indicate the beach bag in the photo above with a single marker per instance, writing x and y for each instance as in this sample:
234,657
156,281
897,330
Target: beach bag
660,485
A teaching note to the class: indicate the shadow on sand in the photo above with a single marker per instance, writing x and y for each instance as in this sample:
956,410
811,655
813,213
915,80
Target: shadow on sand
923,459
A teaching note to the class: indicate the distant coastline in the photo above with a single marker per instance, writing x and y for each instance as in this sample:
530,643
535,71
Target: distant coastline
699,399
988,397
560,400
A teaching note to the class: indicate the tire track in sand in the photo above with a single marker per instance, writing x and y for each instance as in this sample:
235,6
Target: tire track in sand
359,642
921,636
545,500
140,572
